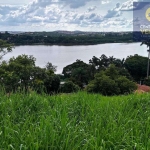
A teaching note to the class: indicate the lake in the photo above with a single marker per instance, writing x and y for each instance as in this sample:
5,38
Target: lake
62,56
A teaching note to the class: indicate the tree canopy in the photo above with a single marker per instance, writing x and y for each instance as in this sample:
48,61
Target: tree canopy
22,73
5,48
77,72
110,82
137,66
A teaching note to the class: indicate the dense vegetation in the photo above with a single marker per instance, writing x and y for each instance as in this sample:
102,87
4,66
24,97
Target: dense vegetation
137,66
69,87
20,73
32,119
77,121
110,82
64,39
99,76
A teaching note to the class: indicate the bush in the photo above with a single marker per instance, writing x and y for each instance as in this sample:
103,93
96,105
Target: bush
103,85
52,83
69,87
109,83
125,85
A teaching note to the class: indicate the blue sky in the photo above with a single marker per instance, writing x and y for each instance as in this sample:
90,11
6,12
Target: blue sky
51,15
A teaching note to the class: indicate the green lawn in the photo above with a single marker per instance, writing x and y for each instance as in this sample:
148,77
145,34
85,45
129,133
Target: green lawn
74,122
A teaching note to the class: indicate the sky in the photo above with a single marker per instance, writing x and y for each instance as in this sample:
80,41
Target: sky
70,15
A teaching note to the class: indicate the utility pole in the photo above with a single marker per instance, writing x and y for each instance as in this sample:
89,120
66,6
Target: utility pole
148,62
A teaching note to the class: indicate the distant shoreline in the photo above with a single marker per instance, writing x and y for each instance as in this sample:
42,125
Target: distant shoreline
66,40
43,44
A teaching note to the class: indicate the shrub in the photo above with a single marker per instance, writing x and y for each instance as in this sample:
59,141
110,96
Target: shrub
69,87
109,83
103,85
125,85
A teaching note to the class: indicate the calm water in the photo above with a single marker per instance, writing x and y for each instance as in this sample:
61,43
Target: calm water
62,56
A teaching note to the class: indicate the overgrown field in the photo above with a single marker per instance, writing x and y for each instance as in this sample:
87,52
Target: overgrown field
74,122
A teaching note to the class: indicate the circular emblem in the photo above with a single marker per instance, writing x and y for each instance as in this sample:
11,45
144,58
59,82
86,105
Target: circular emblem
148,14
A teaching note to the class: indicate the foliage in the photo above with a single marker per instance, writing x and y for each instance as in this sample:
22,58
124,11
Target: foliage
45,81
49,66
125,85
146,43
23,66
21,73
110,82
137,66
146,81
5,48
69,87
103,84
38,79
54,38
51,83
102,63
77,72
81,73
80,121
124,72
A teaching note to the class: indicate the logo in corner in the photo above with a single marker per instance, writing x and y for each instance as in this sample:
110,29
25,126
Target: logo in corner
148,14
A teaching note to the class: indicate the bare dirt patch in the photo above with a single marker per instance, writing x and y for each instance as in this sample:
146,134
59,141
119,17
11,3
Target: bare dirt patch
142,88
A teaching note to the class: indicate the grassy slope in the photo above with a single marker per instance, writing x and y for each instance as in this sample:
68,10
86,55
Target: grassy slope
74,122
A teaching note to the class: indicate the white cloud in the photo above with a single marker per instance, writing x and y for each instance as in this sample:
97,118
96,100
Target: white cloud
5,9
128,5
76,3
105,2
64,14
83,18
115,12
91,8
116,24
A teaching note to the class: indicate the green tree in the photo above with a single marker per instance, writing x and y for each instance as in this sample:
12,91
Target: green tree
112,72
103,84
102,63
49,66
69,87
38,79
110,82
45,80
23,66
78,73
8,78
51,82
5,48
21,73
126,86
137,66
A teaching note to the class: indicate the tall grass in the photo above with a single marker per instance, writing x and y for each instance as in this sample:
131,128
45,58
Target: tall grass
74,122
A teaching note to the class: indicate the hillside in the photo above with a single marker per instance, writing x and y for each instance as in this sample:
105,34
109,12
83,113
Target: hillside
74,121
